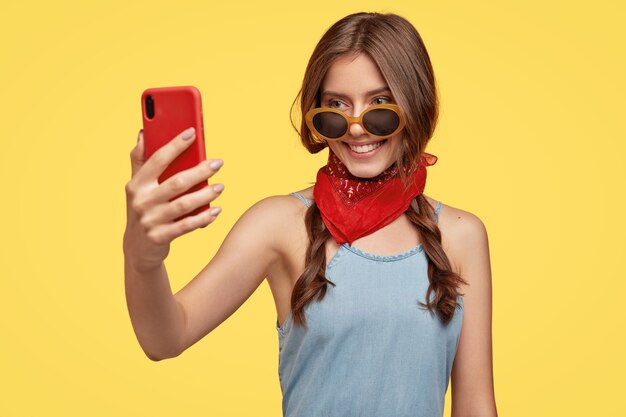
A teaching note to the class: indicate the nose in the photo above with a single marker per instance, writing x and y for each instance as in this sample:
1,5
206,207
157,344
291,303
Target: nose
356,130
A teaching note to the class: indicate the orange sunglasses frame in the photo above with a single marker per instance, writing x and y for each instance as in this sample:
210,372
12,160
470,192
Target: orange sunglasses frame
308,117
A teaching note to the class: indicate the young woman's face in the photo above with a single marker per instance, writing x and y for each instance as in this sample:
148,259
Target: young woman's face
352,84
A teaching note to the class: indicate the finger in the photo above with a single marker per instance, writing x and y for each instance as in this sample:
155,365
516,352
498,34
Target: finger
162,157
182,181
137,155
170,231
167,212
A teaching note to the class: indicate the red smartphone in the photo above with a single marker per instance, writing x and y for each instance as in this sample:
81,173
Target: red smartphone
167,111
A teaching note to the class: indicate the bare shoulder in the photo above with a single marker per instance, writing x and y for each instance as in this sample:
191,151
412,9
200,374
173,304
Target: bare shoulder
464,236
461,225
275,207
276,217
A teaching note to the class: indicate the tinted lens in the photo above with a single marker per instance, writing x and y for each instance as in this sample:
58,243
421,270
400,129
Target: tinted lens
330,124
381,122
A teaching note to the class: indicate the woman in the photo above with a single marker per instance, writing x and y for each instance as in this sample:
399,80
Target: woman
382,291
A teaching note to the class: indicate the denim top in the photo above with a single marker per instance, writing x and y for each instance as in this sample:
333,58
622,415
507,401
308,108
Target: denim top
369,349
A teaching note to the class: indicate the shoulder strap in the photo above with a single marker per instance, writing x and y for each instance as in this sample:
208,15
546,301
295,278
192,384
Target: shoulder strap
302,198
437,210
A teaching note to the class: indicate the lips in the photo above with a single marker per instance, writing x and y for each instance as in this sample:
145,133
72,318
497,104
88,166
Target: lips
365,147
364,152
363,143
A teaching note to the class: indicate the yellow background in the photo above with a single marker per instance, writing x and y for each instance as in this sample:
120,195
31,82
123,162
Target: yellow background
531,139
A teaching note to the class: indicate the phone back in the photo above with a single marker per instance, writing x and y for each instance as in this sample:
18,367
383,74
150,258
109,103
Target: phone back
166,112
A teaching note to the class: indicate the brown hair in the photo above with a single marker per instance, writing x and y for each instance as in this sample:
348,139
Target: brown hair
396,46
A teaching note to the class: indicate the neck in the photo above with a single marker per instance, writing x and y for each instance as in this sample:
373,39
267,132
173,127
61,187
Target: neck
339,169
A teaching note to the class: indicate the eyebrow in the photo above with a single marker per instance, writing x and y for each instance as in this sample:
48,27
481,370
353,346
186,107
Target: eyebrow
369,93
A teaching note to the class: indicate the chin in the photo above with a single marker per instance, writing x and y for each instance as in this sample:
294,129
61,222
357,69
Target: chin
365,172
369,169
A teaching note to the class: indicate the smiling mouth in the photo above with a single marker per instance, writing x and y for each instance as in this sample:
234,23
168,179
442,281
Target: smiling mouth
366,148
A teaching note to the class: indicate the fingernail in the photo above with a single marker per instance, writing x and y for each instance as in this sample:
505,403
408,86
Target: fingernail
215,211
188,134
216,164
139,135
218,188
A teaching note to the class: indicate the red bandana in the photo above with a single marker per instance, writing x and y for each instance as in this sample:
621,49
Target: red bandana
353,207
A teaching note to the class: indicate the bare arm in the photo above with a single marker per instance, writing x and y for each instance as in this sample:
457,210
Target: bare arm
157,318
241,264
155,315
224,284
472,373
167,324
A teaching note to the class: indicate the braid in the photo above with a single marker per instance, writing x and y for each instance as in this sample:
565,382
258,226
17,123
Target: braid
442,292
312,282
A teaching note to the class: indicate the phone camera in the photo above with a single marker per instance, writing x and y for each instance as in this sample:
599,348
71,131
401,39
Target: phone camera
150,107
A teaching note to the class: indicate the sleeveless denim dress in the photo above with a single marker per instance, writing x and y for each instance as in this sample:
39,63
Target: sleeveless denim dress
370,350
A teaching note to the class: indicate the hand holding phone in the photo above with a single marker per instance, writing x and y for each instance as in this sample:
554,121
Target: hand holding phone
166,112
164,202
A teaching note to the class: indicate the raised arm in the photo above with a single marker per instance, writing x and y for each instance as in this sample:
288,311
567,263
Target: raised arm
249,251
166,324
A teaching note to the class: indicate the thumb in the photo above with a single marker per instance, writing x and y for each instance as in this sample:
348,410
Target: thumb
137,155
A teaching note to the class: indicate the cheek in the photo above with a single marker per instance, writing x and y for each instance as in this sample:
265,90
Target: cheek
335,146
395,146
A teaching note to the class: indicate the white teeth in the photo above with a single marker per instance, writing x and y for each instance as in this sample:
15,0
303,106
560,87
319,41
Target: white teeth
365,148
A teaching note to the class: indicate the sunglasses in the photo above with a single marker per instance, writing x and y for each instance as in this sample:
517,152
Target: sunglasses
379,121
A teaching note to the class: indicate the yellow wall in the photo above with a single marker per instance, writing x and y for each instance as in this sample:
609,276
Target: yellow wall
531,139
